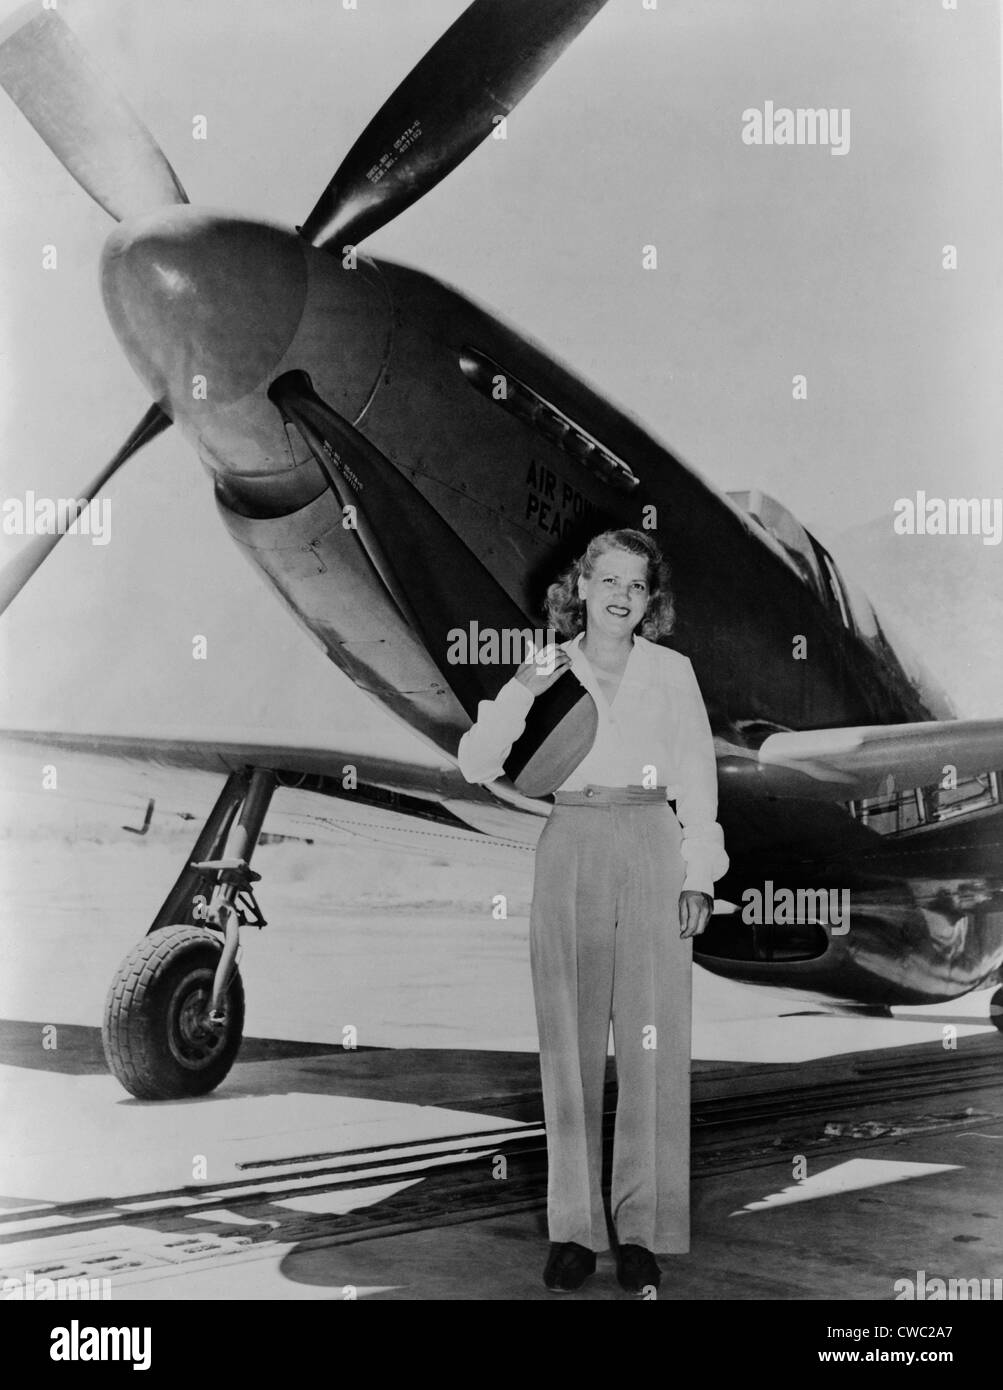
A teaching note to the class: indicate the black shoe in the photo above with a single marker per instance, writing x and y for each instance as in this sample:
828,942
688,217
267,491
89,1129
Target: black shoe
636,1269
568,1266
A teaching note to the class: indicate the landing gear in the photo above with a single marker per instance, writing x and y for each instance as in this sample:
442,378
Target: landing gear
174,1016
996,1009
158,1037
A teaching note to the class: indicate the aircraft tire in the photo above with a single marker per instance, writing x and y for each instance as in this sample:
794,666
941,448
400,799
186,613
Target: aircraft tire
996,1009
153,1041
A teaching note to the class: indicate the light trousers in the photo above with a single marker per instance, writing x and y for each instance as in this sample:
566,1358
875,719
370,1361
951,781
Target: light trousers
605,947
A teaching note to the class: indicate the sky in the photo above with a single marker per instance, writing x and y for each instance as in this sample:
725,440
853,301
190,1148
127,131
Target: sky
771,261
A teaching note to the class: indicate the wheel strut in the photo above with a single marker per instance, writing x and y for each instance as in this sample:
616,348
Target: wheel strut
232,904
174,1014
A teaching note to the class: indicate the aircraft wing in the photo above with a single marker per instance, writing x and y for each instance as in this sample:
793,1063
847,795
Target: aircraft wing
845,764
424,784
818,764
833,765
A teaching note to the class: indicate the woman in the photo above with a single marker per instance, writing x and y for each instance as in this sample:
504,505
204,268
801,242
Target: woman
621,887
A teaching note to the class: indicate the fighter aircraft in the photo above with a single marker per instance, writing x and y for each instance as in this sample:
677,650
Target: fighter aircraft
399,466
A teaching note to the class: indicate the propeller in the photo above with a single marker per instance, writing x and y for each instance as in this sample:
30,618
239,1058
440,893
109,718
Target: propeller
475,74
16,573
433,599
103,144
344,454
89,128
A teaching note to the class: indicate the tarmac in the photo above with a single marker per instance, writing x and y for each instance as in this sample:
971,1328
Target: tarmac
319,1181
835,1157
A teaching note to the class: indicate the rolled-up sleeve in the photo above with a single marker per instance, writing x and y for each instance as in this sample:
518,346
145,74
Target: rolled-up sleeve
485,746
696,797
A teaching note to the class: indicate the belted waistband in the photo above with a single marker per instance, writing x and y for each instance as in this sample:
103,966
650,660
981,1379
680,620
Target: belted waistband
611,796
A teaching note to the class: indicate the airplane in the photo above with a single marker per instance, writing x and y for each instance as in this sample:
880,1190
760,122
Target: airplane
399,466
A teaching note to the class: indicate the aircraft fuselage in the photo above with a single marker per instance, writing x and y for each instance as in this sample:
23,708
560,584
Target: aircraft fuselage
518,463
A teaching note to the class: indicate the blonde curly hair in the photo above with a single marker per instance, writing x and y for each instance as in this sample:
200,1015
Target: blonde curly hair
566,611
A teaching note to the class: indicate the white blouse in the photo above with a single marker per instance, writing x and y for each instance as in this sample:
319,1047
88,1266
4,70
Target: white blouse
655,733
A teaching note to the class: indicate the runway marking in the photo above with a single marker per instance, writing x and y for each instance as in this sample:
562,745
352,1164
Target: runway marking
338,1203
224,1217
473,1139
338,1175
854,1175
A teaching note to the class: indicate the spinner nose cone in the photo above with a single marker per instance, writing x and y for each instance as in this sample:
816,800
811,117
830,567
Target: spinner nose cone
204,305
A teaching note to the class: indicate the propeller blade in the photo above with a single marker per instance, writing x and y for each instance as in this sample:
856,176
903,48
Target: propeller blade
16,573
335,443
475,74
435,579
77,112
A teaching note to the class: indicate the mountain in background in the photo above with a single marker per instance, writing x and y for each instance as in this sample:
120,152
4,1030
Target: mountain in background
944,594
